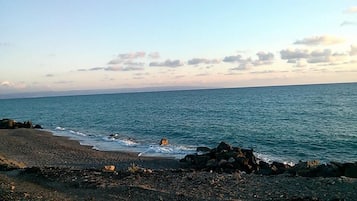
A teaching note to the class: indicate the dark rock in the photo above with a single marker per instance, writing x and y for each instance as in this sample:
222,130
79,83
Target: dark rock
279,168
350,170
7,124
37,126
203,149
305,168
264,168
224,147
329,170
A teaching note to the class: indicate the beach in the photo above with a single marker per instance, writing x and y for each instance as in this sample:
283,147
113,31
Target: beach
36,165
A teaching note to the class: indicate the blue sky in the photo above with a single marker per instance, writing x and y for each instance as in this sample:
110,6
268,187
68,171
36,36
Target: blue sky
78,45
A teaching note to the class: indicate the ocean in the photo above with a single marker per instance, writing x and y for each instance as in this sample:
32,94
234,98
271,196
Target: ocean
284,123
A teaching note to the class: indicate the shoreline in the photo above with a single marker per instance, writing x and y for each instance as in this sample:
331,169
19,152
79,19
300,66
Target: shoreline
49,167
42,148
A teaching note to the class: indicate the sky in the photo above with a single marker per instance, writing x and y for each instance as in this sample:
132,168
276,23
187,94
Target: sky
56,45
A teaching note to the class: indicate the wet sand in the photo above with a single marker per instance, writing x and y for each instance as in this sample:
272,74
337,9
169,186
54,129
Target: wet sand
47,167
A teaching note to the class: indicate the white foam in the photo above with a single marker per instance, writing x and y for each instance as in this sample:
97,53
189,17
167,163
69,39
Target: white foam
127,142
77,133
170,150
271,159
60,128
121,141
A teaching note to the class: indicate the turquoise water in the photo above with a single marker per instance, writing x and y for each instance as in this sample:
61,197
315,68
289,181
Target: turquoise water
289,123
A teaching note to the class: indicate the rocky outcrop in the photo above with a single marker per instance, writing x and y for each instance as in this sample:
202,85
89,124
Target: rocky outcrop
225,158
12,124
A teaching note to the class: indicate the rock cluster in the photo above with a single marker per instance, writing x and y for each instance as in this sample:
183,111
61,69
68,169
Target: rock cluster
12,124
225,158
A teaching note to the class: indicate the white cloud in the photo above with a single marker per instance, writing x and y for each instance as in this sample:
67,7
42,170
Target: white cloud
232,59
353,51
196,61
133,55
13,85
264,58
167,63
49,75
127,57
6,84
126,68
154,55
319,40
300,56
290,55
352,9
348,23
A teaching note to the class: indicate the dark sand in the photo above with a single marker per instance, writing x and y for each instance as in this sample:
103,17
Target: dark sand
62,169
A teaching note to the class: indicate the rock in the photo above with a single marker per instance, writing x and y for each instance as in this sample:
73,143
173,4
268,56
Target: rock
203,149
279,168
224,147
7,124
329,170
231,160
350,170
264,168
37,126
305,168
222,162
11,124
109,168
164,142
212,163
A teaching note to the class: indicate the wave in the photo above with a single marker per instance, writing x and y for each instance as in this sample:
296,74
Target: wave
270,159
60,128
121,140
176,151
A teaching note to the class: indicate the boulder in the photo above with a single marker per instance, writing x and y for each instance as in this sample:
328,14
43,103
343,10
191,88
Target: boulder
164,142
224,147
350,170
108,168
326,170
203,149
7,123
305,168
37,126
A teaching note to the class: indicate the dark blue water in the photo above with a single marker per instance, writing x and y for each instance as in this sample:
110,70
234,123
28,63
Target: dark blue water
288,123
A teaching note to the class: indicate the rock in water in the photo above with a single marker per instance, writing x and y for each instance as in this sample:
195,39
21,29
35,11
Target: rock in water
164,142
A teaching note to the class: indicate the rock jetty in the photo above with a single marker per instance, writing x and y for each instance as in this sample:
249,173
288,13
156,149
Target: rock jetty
225,158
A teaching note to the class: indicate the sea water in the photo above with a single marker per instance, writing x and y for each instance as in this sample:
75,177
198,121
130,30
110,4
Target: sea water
287,123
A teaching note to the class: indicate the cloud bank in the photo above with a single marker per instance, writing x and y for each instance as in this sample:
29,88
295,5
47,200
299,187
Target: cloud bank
167,63
319,40
197,61
264,58
300,56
